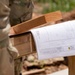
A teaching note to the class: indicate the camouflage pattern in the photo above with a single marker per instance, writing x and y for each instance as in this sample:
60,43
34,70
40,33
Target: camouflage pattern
7,51
21,10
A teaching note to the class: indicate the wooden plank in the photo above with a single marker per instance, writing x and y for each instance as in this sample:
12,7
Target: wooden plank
62,72
53,17
24,43
34,72
71,63
20,39
24,48
25,26
12,32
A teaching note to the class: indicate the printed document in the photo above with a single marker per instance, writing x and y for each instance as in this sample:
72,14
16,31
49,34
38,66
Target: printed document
55,40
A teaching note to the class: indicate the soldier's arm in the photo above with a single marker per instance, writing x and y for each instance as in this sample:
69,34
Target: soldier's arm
4,21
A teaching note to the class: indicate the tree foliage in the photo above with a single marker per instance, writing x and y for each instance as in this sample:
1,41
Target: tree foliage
53,5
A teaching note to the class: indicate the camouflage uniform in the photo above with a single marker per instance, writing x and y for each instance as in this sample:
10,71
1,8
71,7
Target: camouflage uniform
7,51
21,10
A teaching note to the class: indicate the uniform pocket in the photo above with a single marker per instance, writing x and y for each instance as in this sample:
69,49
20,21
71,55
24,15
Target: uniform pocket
6,62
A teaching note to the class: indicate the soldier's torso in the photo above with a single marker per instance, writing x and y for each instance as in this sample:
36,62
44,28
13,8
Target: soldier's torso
19,10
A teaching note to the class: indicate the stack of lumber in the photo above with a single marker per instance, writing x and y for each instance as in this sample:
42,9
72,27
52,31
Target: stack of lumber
38,66
23,40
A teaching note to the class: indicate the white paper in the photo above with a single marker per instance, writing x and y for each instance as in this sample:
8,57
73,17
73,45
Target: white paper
55,40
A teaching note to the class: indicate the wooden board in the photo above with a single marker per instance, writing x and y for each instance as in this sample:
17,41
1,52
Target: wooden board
62,72
71,64
24,43
34,72
25,26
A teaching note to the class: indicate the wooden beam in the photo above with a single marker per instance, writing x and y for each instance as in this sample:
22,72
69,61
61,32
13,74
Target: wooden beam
24,43
34,72
71,64
25,26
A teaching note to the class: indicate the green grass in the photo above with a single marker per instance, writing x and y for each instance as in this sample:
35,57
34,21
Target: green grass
54,5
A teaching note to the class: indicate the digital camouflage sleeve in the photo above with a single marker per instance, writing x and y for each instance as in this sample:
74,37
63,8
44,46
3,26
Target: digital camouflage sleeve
7,51
21,10
18,11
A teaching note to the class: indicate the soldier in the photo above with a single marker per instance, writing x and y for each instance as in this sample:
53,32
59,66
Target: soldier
18,14
7,51
21,11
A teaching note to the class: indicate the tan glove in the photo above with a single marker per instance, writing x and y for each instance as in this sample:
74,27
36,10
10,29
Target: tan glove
13,51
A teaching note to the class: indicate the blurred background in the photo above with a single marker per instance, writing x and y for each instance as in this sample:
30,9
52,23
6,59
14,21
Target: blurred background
45,6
